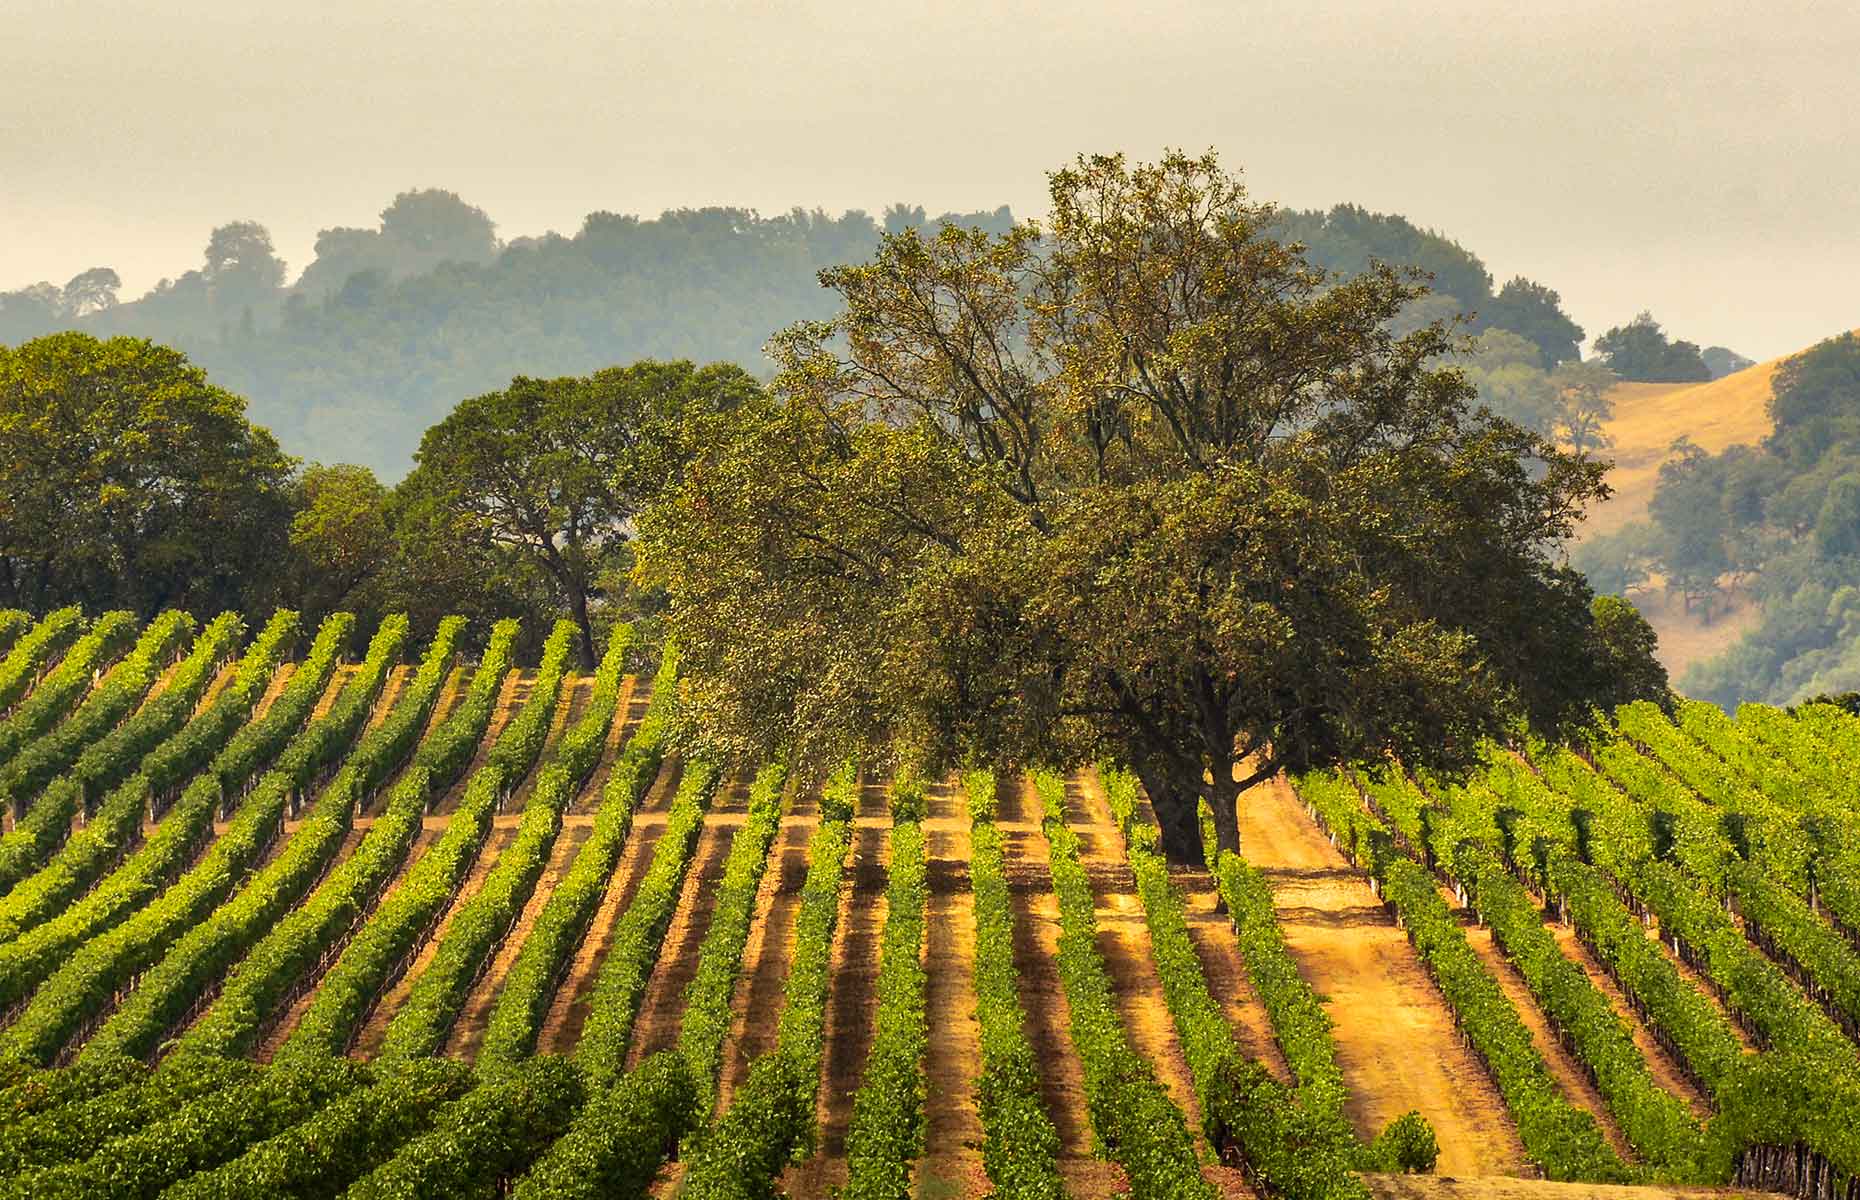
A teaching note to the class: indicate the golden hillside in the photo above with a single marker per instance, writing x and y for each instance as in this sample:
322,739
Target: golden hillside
1649,417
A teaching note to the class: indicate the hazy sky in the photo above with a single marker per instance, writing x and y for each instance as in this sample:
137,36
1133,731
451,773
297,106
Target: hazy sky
1697,157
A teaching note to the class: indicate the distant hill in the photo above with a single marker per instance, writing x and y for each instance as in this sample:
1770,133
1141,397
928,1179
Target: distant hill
1650,417
1771,619
387,329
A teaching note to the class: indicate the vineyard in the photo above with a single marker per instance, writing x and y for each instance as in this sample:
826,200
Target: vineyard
291,911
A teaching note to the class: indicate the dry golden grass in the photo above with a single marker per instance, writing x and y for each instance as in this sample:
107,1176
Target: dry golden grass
1650,417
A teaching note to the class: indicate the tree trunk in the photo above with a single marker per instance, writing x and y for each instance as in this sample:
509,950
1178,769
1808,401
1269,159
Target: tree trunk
1177,814
1224,799
578,600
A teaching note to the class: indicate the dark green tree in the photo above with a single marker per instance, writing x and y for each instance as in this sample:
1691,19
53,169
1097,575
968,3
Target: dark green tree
1629,649
1815,400
128,480
1535,312
553,471
1640,351
1688,508
342,540
1143,484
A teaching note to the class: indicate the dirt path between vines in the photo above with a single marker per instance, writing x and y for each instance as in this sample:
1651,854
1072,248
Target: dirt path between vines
389,695
1396,1042
568,1011
1661,1063
952,1165
282,1029
475,1017
852,994
280,678
629,707
771,939
1036,959
1217,946
374,1030
162,679
570,700
223,679
1129,956
662,1008
1564,1067
512,696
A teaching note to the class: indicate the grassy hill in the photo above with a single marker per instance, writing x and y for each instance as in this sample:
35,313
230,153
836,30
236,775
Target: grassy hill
1649,417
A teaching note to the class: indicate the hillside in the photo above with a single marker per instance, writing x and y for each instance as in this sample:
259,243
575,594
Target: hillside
466,956
1650,417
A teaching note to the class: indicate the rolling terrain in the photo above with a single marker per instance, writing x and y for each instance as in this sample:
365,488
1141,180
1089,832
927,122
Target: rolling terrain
493,909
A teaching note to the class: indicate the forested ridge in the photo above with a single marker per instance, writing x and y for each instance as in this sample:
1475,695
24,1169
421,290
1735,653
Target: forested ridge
387,328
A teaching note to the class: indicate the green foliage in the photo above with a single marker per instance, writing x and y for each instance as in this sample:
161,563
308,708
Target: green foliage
66,684
1406,1145
1815,399
1535,312
83,987
532,979
1056,548
291,942
117,822
130,480
1294,1144
886,1135
620,1137
1722,361
1020,1146
491,1134
479,925
1562,1139
342,541
553,471
73,1132
347,1138
1624,640
14,622
771,1119
1656,1123
1639,351
382,949
20,669
705,1025
621,984
101,710
1140,1126
202,1134
108,760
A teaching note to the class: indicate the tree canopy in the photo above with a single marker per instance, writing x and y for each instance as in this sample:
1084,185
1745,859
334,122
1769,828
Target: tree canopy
1143,483
1641,352
553,470
127,480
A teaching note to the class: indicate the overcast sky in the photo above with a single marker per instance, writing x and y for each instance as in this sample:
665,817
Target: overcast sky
1700,158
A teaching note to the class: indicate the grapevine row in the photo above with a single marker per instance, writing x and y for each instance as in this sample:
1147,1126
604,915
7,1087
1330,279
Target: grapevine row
771,1118
83,989
1132,1114
257,990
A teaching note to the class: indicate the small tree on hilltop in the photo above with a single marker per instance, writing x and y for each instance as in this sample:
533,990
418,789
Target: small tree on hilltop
1140,484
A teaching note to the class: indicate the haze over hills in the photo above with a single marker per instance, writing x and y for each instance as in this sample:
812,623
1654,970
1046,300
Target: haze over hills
1650,417
387,328
1737,538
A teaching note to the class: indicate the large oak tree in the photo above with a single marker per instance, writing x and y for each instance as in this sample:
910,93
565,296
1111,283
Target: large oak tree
1138,483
